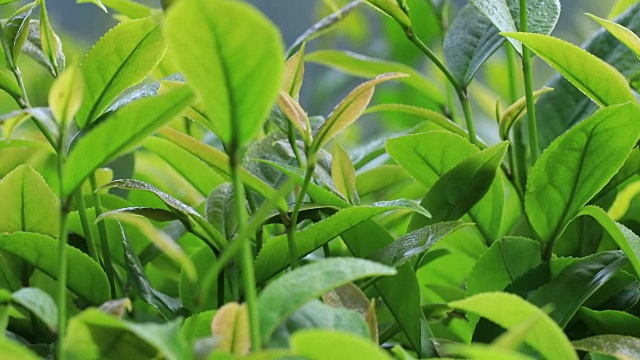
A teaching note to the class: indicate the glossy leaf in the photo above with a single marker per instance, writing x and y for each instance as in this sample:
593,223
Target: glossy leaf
506,260
65,95
619,7
24,194
394,10
34,47
107,73
343,174
39,303
281,297
220,210
628,242
470,40
50,42
621,33
294,73
93,334
295,114
129,8
508,310
97,3
460,188
349,109
595,78
325,344
620,347
219,161
425,114
497,11
610,322
86,277
231,326
16,30
415,243
515,111
274,254
149,114
368,67
577,165
576,283
237,84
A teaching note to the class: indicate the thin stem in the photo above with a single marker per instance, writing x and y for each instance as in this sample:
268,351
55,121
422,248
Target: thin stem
291,136
528,87
462,94
246,255
62,251
102,234
517,153
293,224
86,227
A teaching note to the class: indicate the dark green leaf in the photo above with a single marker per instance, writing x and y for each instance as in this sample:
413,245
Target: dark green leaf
285,295
86,277
16,30
576,283
40,304
610,322
578,165
621,347
140,118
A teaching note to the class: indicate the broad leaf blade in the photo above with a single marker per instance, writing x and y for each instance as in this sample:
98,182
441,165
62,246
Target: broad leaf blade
140,118
107,72
65,95
326,344
620,347
577,165
237,84
621,33
294,73
40,304
231,326
508,310
343,174
498,12
283,296
595,78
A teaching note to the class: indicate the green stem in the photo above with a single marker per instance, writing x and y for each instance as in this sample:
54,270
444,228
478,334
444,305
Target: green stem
528,87
517,153
62,281
246,255
293,224
460,92
291,136
86,226
102,234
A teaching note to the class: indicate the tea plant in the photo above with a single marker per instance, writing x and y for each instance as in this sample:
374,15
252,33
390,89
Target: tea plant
174,199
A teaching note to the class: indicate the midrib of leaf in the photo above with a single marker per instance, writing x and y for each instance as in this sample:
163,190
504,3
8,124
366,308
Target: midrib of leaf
339,114
115,75
576,79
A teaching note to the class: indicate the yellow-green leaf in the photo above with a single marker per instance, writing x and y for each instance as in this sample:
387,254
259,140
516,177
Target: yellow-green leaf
344,174
295,114
230,326
517,110
294,73
392,9
626,36
65,95
595,78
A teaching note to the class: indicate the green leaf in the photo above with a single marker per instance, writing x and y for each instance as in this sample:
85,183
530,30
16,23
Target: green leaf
149,114
219,161
469,42
86,277
296,115
16,30
349,109
192,169
393,9
230,326
621,33
197,326
97,3
9,85
595,78
610,322
619,7
326,344
286,294
65,95
483,352
24,195
576,283
415,243
274,254
508,311
515,111
368,67
294,73
10,349
460,188
107,72
506,260
628,242
34,47
237,84
497,11
220,210
93,334
621,347
577,165
131,9
166,306
50,42
343,174
40,304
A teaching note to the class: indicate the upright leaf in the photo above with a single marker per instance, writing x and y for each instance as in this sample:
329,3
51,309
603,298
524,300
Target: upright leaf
231,326
577,165
283,296
498,12
393,9
107,72
294,73
140,118
621,33
24,195
508,311
65,95
50,42
16,30
237,84
343,174
595,78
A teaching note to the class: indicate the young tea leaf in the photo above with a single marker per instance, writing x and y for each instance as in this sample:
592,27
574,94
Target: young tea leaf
577,165
231,326
621,33
515,111
294,73
595,78
16,30
283,296
393,9
237,84
326,344
65,95
107,73
50,42
343,174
